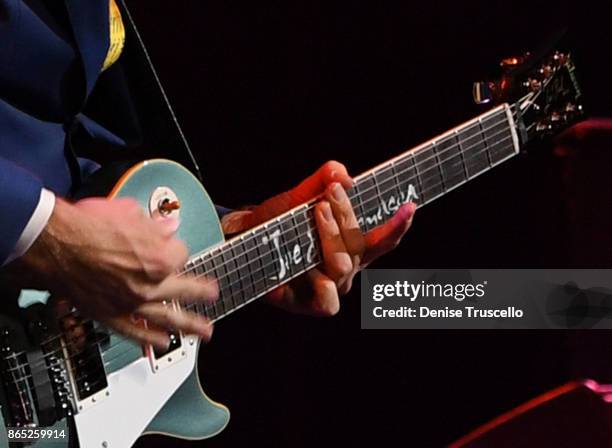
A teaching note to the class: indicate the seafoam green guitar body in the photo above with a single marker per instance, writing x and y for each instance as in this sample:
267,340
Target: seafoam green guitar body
187,413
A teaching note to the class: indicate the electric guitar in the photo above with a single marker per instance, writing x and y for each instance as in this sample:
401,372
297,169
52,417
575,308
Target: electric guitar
74,381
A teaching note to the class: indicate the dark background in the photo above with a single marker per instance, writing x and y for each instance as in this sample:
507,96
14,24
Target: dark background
267,91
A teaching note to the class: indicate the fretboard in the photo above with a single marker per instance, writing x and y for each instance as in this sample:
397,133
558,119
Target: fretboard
256,262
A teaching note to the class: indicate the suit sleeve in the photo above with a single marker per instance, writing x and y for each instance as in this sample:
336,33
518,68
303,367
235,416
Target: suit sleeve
21,193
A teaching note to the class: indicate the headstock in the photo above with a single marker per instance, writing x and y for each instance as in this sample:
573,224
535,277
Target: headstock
543,91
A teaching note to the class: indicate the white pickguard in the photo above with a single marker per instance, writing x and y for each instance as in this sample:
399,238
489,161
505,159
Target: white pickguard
136,396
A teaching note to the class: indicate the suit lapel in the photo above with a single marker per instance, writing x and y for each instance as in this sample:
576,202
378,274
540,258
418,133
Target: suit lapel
90,23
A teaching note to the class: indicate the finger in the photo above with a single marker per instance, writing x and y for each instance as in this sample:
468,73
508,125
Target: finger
167,225
186,289
168,317
176,254
315,184
337,261
325,301
387,237
345,217
125,326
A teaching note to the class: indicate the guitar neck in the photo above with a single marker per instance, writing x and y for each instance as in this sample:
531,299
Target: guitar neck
275,252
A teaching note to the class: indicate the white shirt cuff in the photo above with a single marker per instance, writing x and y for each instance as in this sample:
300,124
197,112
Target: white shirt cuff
36,224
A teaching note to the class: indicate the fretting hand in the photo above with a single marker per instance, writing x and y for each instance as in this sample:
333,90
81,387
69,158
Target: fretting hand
345,248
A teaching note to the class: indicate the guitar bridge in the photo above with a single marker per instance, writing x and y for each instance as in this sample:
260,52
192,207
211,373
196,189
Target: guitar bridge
81,345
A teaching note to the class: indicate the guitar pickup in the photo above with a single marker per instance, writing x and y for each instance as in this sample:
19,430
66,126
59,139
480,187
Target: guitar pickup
161,359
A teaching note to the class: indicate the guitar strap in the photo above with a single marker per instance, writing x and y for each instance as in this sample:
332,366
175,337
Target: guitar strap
160,125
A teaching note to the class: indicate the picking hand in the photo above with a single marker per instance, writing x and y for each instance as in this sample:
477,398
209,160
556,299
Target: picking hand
116,265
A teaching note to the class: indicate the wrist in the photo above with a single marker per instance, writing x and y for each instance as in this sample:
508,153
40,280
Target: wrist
40,262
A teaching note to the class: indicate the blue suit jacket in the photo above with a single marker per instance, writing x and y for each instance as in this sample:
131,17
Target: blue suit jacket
50,61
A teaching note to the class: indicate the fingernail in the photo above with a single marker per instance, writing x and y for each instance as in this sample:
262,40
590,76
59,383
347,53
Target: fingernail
206,334
337,192
407,210
404,213
326,212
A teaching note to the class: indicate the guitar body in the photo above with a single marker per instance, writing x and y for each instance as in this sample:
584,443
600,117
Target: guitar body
140,398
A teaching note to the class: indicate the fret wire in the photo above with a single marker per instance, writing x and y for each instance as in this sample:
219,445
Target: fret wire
248,263
296,225
486,143
354,193
258,258
395,178
229,271
283,248
439,165
462,156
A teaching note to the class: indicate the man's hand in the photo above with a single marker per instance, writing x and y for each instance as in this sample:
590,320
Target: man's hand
117,266
345,249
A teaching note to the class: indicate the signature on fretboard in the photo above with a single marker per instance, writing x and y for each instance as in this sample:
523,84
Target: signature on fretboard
289,256
387,207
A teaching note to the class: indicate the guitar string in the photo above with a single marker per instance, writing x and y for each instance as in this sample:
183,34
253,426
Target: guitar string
497,143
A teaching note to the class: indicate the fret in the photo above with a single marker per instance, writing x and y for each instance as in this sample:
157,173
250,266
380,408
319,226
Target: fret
369,200
390,196
431,179
257,273
271,265
406,174
308,238
438,161
218,307
462,148
387,185
299,251
225,301
246,260
495,130
485,155
236,275
208,266
225,282
287,244
354,194
451,161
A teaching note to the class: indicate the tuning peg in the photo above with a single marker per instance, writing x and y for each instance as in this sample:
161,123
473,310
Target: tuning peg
513,62
482,92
